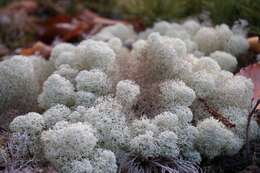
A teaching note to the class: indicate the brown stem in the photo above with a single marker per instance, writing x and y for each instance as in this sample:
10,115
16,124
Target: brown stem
248,125
217,115
2,129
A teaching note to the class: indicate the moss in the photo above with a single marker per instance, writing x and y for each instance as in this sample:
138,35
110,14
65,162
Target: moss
150,11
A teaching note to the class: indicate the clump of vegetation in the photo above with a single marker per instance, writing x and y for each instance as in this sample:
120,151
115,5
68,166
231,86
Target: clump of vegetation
174,106
150,11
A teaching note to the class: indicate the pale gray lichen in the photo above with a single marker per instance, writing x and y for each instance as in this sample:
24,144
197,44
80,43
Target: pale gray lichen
56,90
157,107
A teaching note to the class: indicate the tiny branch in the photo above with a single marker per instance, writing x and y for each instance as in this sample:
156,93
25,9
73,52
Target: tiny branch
248,124
217,115
2,129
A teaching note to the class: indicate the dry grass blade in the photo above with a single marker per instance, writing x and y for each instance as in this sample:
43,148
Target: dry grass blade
131,164
16,155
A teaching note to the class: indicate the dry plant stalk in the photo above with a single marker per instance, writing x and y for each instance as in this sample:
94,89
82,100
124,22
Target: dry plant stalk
217,115
254,109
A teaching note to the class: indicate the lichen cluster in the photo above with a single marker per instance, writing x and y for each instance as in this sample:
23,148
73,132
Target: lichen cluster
100,99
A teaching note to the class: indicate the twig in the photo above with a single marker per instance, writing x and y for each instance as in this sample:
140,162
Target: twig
217,115
2,129
248,125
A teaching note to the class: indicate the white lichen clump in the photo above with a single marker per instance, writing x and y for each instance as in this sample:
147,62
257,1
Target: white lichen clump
213,134
94,81
157,107
56,90
21,78
127,93
225,60
31,125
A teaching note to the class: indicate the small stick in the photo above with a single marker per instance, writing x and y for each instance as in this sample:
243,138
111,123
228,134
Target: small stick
217,115
248,125
2,129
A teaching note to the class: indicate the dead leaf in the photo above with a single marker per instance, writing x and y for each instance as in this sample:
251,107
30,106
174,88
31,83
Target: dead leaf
253,72
254,44
65,28
38,48
68,28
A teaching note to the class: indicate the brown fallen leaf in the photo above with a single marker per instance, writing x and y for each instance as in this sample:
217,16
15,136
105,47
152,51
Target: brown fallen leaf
254,44
70,28
38,48
49,29
65,28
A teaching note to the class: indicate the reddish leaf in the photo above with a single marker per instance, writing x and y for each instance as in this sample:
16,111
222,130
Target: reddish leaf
253,72
73,30
63,27
57,19
68,28
38,48
48,29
